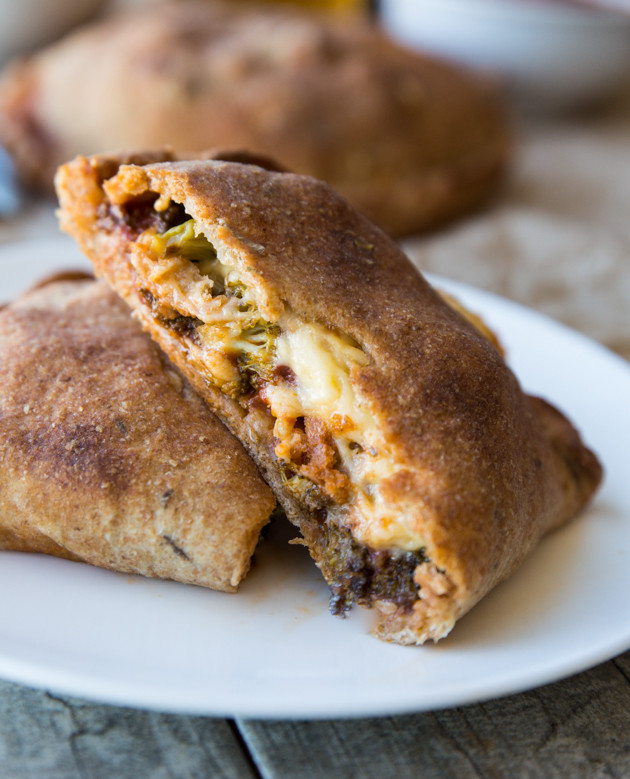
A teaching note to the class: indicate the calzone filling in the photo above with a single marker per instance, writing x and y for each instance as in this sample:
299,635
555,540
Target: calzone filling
293,380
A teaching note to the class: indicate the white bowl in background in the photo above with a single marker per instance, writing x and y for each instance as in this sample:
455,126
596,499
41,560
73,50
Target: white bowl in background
27,24
551,53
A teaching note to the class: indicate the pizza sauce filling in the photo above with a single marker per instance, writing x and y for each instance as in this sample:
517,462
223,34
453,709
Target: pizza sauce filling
292,379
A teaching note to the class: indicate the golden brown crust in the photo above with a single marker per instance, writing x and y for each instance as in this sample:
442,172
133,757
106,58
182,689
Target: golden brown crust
487,470
409,140
108,456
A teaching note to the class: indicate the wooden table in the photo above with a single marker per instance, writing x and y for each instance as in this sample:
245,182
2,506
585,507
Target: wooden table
558,240
575,728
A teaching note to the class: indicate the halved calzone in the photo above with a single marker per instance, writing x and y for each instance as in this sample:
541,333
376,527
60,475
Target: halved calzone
108,456
388,425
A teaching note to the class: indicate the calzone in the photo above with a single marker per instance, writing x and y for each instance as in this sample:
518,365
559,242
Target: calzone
410,140
389,426
108,456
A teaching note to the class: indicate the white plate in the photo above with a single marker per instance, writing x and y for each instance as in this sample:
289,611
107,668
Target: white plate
273,650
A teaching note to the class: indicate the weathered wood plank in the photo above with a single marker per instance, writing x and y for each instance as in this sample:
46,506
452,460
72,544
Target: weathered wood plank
576,728
47,737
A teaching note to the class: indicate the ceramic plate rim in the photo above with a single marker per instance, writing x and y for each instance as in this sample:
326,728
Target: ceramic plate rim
97,685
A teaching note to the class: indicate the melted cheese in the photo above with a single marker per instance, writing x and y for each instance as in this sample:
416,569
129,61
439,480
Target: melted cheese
321,360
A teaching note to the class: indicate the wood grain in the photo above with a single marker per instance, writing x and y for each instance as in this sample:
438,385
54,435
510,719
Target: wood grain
578,728
43,736
575,728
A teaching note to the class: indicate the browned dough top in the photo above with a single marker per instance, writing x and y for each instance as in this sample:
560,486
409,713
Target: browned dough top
410,140
106,453
489,469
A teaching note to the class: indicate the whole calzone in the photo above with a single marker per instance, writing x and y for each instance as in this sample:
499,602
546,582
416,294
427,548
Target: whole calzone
390,428
411,141
108,456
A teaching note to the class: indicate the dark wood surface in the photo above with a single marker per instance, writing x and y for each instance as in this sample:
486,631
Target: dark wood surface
578,727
